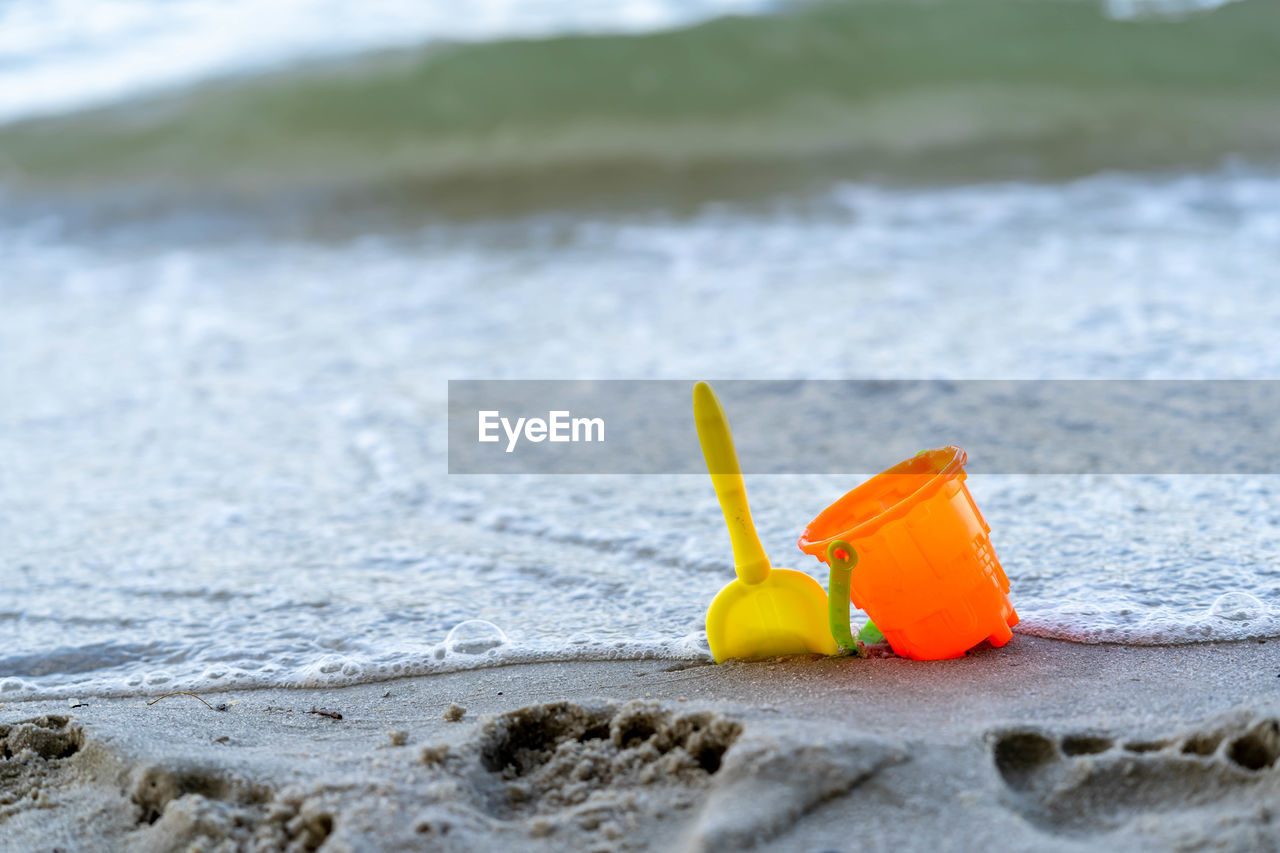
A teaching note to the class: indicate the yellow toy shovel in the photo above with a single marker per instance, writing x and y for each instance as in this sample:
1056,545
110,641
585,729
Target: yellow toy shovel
766,612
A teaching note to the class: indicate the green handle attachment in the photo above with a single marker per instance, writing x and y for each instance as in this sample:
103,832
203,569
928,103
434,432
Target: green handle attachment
842,558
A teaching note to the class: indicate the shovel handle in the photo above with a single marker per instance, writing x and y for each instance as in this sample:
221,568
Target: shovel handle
749,558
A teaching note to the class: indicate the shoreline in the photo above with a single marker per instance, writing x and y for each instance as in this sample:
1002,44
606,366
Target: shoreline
1042,744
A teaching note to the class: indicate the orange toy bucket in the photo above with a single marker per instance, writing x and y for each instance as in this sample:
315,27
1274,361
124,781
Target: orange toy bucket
926,572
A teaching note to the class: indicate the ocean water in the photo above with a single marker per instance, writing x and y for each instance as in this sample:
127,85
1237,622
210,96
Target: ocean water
222,438
66,54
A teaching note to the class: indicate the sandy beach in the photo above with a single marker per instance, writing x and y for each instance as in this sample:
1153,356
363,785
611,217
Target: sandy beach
269,580
1041,745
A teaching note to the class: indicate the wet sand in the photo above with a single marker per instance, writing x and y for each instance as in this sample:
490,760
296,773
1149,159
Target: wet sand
1039,745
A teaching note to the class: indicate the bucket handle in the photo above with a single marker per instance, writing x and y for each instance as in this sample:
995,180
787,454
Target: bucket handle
842,557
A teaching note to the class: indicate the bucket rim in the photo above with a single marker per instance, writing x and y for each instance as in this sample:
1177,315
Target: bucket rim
952,460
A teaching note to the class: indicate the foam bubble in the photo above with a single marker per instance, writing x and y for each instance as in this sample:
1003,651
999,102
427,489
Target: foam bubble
1238,607
473,637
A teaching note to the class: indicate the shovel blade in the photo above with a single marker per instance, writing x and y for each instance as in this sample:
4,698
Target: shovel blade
785,614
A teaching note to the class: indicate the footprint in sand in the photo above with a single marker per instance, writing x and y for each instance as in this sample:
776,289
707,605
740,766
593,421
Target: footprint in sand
174,805
31,758
575,771
609,777
1083,783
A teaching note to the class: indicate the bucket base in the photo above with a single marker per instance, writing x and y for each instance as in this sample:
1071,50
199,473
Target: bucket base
1004,633
948,634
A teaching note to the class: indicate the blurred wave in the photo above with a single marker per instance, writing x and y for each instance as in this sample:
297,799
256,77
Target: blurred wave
919,91
57,55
